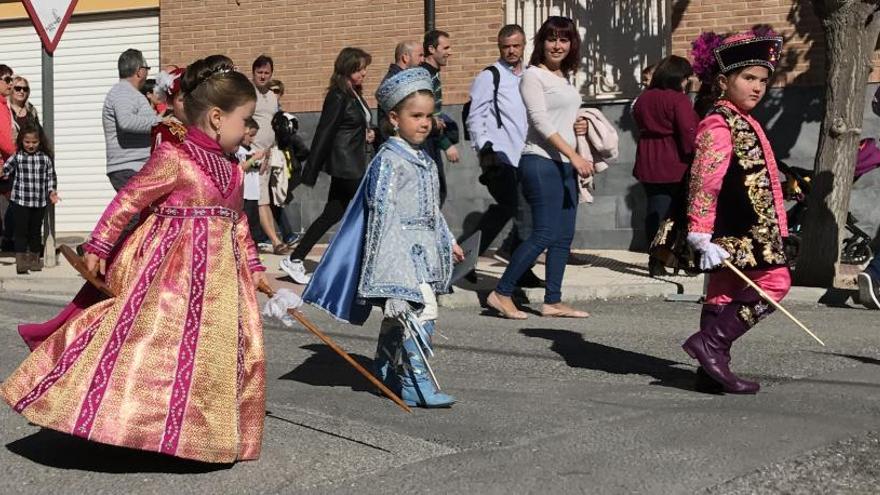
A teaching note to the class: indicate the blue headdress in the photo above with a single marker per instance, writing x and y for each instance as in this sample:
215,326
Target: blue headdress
397,87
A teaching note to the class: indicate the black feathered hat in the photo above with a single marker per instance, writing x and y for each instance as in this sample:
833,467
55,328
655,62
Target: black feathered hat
745,50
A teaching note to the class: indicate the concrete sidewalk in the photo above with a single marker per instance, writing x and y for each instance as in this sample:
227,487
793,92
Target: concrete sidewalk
590,275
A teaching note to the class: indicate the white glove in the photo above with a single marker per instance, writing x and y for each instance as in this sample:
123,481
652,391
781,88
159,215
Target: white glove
395,308
277,307
711,255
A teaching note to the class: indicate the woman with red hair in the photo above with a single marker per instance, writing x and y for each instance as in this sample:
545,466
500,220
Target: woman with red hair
548,167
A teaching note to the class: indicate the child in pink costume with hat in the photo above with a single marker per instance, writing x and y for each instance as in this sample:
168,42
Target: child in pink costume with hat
736,208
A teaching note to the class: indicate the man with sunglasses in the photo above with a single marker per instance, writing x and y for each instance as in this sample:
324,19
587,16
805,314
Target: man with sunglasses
128,119
7,145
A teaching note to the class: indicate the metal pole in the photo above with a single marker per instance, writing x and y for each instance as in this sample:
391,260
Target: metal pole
48,95
50,258
429,15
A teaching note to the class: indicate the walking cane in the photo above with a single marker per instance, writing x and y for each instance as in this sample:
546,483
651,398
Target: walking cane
80,267
300,317
770,300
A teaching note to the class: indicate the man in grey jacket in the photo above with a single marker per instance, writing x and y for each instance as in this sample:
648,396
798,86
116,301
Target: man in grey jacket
128,118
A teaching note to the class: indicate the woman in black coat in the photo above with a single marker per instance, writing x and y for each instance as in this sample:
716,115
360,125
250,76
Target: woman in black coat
339,149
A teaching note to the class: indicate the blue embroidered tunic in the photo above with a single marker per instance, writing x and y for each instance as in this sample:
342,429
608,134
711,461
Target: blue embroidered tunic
392,239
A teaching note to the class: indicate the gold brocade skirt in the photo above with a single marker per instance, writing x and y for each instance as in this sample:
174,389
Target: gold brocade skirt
173,364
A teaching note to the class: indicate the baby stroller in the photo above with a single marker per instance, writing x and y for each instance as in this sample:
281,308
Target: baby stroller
856,248
294,152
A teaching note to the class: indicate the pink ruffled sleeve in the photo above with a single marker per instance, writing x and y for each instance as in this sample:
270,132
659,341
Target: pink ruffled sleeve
711,160
244,240
156,179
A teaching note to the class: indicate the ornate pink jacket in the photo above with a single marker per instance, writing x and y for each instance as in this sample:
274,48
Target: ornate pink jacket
735,192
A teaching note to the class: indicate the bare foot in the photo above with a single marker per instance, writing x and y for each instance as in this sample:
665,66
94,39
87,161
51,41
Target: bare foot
560,310
504,306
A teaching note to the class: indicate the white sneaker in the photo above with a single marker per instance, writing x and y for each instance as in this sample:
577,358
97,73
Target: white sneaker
295,270
869,295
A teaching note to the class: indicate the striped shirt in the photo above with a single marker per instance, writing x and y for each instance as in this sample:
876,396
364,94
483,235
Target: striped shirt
33,178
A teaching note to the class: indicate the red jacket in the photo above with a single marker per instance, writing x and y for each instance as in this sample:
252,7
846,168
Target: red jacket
7,145
668,126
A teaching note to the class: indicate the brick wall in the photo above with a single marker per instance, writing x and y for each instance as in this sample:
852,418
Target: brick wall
304,36
804,60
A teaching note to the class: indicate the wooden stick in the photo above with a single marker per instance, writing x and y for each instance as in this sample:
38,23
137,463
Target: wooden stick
770,300
300,317
77,263
80,266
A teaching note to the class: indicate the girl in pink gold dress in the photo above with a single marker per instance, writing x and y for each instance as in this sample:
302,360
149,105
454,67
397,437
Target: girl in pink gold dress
174,362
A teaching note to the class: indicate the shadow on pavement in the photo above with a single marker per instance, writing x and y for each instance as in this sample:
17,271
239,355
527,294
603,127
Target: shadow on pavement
271,415
580,353
861,359
838,298
59,450
325,368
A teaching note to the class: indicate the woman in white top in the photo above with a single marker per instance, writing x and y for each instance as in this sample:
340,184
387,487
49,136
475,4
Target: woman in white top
548,167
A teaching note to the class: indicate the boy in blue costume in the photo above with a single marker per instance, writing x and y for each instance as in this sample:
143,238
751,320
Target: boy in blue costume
394,248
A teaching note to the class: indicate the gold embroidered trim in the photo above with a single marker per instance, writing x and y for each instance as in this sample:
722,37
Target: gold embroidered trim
740,249
706,161
750,155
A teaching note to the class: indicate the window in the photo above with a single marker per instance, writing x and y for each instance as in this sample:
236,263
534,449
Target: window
619,39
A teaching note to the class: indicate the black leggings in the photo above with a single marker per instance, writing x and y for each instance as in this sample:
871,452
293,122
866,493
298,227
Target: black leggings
341,193
28,228
660,198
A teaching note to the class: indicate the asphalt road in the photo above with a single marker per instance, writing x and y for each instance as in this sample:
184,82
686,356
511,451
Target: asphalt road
546,406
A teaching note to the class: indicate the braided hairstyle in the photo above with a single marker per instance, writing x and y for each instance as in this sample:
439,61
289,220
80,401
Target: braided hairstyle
213,82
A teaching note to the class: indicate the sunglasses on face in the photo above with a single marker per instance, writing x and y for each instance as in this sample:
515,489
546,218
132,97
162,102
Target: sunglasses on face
275,90
21,89
6,79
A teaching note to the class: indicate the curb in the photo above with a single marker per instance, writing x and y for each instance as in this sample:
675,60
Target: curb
43,285
463,298
468,298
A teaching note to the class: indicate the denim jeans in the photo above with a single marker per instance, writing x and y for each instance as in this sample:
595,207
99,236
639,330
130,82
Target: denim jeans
550,190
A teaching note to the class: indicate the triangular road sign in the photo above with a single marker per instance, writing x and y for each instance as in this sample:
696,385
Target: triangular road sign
50,17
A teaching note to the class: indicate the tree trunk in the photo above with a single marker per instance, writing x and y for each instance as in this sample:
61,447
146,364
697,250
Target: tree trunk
851,31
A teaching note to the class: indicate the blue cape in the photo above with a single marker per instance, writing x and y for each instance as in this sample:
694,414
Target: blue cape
334,285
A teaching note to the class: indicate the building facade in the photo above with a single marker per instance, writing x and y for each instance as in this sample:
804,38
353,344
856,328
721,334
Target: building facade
620,37
84,70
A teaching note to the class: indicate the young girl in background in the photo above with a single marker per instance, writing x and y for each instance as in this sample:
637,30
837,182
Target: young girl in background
33,187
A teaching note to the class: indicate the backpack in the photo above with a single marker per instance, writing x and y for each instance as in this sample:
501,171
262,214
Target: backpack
466,109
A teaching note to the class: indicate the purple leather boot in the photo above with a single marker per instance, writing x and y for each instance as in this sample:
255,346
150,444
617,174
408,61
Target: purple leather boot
711,345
